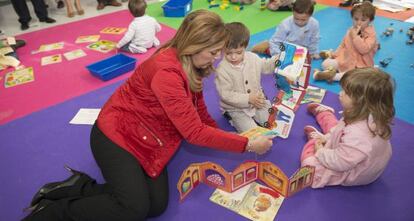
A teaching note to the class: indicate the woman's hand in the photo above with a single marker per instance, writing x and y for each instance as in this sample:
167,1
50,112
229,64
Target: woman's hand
257,99
260,144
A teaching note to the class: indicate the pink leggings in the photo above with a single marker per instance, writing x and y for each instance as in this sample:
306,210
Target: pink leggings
326,121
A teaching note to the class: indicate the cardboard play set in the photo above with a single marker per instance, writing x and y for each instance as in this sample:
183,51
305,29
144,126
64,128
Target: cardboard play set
292,75
248,172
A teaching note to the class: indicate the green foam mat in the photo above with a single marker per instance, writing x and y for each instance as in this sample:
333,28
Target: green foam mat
251,15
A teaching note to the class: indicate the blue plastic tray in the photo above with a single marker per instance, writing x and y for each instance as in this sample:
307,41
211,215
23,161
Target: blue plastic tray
177,8
112,66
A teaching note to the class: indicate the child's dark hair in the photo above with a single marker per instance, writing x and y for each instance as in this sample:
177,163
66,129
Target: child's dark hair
365,8
372,93
137,7
304,6
239,35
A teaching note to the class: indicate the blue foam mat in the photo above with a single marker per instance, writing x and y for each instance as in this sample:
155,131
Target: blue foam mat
334,23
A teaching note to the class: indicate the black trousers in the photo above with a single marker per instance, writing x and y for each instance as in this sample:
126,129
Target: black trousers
20,6
129,193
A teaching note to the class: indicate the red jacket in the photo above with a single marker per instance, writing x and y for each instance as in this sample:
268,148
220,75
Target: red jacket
154,110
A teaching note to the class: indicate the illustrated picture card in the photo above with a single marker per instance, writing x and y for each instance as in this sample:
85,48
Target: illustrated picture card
52,59
51,47
18,77
254,201
113,30
87,39
255,132
72,55
313,94
86,116
103,46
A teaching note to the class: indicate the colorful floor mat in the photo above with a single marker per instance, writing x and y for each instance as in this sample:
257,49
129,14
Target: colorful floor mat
35,148
251,15
402,16
55,83
36,145
401,67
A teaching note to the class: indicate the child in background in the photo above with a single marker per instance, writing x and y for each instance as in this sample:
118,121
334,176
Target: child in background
69,8
357,48
356,149
141,32
300,28
238,81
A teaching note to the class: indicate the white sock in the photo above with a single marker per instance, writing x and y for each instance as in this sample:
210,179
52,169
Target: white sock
338,76
137,49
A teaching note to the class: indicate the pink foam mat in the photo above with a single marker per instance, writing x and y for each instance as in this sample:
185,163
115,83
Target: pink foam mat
59,82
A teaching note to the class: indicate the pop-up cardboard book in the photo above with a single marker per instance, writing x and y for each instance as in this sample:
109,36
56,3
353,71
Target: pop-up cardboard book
293,68
294,64
214,175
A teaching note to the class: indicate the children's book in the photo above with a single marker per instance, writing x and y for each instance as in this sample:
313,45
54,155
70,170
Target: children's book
281,120
293,64
254,201
18,77
52,59
51,47
291,100
103,46
113,30
255,132
71,55
313,94
87,38
246,173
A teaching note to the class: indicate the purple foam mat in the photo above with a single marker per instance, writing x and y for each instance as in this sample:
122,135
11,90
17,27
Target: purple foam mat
35,148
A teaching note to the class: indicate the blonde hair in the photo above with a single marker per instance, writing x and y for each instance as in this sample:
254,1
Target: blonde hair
200,29
372,93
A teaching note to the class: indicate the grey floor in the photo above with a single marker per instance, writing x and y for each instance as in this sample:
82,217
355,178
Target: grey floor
9,21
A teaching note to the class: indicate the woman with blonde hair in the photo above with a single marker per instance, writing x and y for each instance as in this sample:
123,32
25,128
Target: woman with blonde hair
141,127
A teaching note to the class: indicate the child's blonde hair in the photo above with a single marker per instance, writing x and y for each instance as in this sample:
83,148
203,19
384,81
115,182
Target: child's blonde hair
200,29
372,93
365,8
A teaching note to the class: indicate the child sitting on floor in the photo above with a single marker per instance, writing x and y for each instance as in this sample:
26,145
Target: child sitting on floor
356,149
300,28
357,48
238,81
141,32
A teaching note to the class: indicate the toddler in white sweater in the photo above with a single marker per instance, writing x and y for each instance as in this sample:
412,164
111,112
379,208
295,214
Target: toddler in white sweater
141,32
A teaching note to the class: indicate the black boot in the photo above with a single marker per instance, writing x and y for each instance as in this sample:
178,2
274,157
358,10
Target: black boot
58,190
41,205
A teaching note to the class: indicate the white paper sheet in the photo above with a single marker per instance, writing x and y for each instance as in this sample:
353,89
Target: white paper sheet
86,116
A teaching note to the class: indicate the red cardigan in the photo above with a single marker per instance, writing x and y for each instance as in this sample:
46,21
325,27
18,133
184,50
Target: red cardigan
154,110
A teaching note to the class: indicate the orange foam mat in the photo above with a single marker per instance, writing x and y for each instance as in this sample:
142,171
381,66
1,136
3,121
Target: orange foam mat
402,16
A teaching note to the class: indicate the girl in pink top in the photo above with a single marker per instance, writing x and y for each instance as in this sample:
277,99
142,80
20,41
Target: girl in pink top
357,48
356,149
